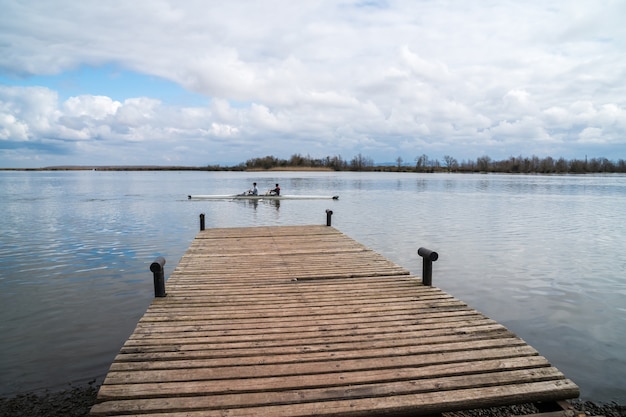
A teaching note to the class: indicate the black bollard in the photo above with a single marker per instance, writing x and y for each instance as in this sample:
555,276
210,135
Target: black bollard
159,276
329,214
428,257
202,221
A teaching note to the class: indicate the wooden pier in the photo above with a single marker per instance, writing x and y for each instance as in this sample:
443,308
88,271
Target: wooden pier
304,321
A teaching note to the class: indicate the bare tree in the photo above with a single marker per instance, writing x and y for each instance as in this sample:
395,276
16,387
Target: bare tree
421,162
360,163
450,162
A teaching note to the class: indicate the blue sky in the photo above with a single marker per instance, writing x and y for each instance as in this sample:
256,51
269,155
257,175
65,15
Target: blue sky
109,80
194,82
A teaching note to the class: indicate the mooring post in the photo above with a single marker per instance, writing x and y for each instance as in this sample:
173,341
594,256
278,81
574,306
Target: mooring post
428,257
329,214
159,276
201,221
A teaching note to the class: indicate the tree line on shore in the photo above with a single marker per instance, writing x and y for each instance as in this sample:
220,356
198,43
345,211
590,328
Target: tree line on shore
423,163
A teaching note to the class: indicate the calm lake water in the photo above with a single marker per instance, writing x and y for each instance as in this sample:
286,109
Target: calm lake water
543,255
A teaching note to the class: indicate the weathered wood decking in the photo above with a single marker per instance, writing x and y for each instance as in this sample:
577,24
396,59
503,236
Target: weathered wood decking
304,321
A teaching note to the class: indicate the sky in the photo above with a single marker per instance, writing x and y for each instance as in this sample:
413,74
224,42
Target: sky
207,82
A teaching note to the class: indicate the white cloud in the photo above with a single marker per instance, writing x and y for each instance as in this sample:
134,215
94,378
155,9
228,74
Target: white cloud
137,112
96,107
11,128
222,130
28,111
433,71
262,117
396,79
518,102
591,135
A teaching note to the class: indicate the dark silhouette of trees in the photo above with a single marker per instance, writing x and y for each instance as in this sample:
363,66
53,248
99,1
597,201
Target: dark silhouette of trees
484,164
451,164
361,163
421,163
263,163
424,163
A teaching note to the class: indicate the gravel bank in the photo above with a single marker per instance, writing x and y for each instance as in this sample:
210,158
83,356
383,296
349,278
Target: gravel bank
77,401
73,402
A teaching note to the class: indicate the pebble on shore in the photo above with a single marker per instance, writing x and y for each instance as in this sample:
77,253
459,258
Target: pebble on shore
73,402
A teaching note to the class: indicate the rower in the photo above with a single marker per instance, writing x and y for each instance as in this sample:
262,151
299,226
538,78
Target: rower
275,191
254,190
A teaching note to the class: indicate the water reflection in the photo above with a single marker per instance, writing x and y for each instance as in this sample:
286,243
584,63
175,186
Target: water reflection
254,203
421,185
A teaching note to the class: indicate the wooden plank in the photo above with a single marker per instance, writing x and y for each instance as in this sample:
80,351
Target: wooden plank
326,327
364,403
218,394
370,352
417,360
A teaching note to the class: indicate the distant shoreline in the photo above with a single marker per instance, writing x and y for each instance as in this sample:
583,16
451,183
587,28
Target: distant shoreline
119,168
360,163
378,168
164,168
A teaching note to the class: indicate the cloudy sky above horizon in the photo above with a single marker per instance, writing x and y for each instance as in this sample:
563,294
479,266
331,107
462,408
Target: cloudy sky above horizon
195,82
